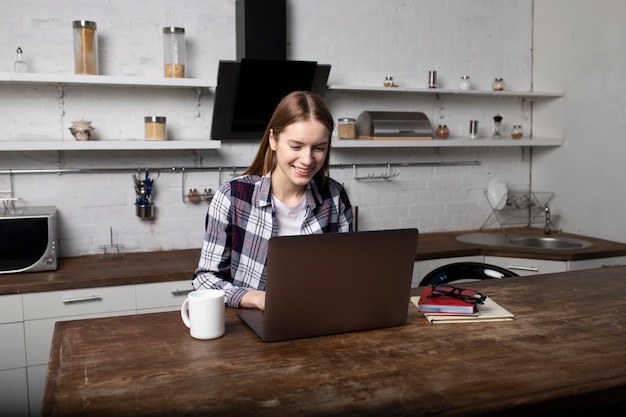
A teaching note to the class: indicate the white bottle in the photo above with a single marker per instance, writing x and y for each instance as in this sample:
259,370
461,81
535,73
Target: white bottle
465,83
19,65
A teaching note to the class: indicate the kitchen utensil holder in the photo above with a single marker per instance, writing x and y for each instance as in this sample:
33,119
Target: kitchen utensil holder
145,211
521,208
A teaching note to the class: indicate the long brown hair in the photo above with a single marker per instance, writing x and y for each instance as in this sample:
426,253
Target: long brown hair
294,107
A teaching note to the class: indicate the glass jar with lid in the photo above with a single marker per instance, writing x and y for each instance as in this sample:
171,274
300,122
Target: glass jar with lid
498,84
442,132
517,132
174,52
346,127
85,47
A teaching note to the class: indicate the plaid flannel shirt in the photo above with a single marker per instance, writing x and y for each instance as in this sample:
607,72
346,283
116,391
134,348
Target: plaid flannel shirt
239,223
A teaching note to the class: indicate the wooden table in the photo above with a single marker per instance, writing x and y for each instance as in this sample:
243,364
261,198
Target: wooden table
564,353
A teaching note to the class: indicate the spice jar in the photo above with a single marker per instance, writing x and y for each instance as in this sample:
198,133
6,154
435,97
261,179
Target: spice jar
389,81
347,128
498,84
442,132
517,132
473,129
497,127
174,52
155,128
465,83
85,47
19,65
432,79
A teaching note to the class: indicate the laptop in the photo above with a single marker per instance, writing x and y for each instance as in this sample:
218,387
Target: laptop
334,283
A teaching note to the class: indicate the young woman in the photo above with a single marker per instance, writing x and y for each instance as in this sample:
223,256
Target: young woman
286,191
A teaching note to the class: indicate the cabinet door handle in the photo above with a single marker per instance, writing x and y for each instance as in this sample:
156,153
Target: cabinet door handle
523,268
74,300
177,292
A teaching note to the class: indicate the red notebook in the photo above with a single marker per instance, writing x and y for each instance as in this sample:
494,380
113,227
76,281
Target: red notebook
444,304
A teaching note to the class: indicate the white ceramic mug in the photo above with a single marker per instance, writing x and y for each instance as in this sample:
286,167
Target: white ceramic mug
203,313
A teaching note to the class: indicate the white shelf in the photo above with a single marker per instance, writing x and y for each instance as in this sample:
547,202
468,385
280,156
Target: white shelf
104,80
110,145
447,143
435,91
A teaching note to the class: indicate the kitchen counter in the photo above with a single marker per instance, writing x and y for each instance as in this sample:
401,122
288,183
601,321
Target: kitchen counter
136,268
561,355
445,245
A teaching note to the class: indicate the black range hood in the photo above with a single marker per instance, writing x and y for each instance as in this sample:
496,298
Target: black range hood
249,89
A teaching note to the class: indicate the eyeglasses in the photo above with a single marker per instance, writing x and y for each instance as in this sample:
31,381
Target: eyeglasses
469,296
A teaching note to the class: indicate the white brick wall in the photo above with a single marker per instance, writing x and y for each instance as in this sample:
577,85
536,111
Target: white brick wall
363,40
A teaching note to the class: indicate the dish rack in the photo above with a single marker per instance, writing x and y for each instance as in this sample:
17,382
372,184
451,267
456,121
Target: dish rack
521,208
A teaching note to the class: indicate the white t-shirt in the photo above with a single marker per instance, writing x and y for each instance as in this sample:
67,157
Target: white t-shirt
289,218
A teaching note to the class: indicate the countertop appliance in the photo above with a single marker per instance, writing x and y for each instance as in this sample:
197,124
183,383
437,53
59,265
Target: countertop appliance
28,239
393,125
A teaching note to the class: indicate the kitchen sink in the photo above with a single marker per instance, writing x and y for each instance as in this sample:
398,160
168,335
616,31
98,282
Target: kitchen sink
549,242
526,241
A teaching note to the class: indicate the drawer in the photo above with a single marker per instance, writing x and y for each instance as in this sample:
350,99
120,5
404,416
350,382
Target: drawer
43,305
159,295
11,308
527,266
12,346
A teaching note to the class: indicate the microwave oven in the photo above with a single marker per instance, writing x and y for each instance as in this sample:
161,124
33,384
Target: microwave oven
28,239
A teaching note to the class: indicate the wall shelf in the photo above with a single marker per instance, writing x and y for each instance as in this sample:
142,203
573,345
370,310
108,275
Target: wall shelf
110,145
435,91
447,143
104,80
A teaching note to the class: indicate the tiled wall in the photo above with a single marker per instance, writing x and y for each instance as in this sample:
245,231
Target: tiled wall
363,40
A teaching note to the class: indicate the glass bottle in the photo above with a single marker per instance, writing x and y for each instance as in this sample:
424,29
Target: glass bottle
517,132
473,129
388,81
498,84
85,47
442,132
465,83
432,79
174,52
19,65
497,127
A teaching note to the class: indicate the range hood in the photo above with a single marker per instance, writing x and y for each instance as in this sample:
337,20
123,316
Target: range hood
249,88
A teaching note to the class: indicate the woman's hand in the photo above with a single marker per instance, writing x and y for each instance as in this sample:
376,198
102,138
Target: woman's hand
253,299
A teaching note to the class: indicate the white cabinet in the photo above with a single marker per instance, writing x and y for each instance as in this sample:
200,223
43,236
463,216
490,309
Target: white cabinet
527,266
13,393
597,263
162,296
42,310
13,398
423,268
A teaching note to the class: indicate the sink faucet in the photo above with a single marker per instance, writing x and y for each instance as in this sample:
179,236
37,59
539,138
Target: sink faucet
547,228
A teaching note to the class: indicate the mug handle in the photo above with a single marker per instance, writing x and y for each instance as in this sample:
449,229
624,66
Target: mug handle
184,313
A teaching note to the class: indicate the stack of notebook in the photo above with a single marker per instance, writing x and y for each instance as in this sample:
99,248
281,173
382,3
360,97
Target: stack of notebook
454,310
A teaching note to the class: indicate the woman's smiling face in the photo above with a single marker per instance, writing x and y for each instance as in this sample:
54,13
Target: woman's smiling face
300,152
